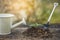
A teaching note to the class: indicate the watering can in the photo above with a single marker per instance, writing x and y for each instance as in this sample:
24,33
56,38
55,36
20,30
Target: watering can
6,23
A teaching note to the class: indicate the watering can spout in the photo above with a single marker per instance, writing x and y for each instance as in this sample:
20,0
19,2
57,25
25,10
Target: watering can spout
19,23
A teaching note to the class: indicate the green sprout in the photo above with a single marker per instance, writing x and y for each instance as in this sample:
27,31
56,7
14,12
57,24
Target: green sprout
35,25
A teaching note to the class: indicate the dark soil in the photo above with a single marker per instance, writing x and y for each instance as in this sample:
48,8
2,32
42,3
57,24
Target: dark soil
33,33
37,32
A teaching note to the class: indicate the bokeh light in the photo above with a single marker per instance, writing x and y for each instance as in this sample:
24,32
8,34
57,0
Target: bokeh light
17,6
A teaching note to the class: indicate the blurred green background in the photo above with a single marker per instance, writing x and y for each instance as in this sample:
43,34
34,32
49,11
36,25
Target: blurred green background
37,11
42,10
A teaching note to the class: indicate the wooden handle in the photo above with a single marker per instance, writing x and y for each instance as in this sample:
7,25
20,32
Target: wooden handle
55,5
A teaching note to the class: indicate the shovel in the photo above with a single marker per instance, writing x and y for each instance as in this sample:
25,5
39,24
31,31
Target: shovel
47,24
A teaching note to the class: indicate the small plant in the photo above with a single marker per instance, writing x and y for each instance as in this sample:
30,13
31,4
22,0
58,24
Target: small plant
35,25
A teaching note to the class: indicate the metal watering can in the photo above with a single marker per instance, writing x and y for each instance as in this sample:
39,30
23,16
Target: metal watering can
6,23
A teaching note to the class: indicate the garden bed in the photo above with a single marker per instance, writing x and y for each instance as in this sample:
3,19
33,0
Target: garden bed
17,34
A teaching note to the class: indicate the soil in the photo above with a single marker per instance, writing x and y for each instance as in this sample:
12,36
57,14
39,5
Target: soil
37,32
16,33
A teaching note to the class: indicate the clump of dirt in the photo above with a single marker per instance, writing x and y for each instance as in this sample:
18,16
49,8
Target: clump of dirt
37,32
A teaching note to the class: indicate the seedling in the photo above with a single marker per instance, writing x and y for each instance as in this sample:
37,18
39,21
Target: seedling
35,25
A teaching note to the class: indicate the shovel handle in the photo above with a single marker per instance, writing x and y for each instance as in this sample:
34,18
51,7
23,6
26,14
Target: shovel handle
47,24
55,5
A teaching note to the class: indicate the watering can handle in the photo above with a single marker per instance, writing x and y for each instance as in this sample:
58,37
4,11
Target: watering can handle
55,5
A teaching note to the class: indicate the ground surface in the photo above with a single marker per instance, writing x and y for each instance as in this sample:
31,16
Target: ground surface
17,34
